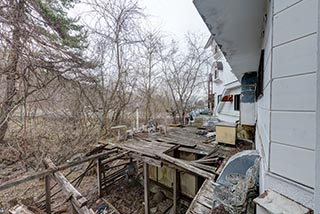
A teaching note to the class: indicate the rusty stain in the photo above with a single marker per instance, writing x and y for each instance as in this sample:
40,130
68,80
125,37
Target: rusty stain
263,195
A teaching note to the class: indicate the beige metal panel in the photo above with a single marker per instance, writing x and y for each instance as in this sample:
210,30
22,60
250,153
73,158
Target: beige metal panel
165,176
188,182
153,173
226,134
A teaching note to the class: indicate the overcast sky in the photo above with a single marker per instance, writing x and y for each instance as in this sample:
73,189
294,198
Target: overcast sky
174,17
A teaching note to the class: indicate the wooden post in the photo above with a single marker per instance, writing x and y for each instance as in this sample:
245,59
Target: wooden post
176,184
175,190
48,194
146,187
99,177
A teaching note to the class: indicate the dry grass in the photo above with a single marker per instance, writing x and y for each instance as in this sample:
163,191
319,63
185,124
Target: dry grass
22,152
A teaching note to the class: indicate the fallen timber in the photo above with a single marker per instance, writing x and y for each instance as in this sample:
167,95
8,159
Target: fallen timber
78,202
44,173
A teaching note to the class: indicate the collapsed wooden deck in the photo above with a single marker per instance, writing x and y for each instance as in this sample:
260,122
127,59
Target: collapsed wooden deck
203,202
157,150
160,150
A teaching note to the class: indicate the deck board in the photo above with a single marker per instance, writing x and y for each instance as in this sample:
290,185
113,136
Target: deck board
203,201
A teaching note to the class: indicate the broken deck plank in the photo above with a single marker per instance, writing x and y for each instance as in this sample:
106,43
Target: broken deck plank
44,173
186,166
111,206
79,202
207,168
201,202
20,209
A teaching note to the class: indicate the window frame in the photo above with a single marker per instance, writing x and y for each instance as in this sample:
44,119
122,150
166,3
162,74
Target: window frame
237,102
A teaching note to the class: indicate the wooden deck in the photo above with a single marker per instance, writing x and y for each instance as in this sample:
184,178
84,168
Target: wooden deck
159,150
203,202
147,148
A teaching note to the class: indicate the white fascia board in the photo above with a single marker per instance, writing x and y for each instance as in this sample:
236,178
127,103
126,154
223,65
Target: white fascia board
238,27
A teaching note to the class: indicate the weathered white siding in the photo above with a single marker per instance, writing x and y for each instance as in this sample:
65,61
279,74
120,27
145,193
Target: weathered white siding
295,22
286,127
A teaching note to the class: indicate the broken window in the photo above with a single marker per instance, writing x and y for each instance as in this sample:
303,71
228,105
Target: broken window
236,102
259,88
216,74
219,66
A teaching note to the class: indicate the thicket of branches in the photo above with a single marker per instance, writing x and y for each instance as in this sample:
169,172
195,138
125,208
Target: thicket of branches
67,84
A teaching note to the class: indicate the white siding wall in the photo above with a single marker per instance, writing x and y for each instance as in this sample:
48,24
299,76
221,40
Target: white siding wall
286,113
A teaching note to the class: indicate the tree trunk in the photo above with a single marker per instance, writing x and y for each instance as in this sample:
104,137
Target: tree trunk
11,71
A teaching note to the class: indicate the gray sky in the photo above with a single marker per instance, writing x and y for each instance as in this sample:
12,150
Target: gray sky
174,17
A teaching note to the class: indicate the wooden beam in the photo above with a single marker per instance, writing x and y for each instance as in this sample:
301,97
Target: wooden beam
207,168
78,202
48,194
146,188
207,161
195,151
148,160
172,149
99,177
44,173
186,166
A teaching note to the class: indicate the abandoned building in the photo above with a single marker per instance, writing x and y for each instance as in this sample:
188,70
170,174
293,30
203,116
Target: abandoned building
224,88
273,49
262,155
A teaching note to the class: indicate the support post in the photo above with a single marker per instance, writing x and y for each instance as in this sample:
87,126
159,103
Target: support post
146,187
48,194
176,185
175,191
99,177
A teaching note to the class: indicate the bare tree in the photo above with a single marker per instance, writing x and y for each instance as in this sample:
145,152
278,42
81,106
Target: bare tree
150,71
184,75
115,36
